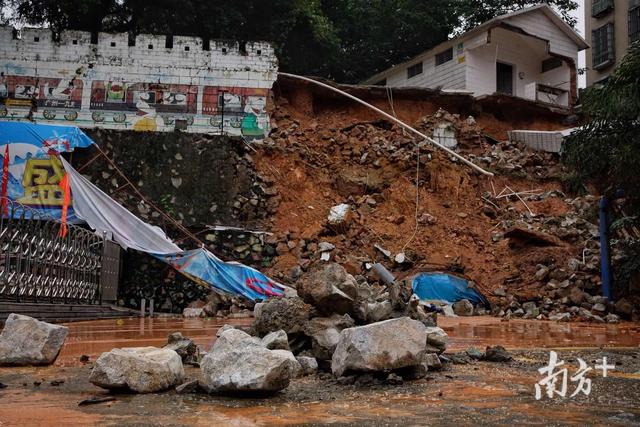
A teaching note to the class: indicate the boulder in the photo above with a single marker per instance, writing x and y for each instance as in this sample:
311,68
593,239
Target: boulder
463,308
330,289
240,362
186,348
377,311
27,341
325,333
288,314
383,346
436,340
308,365
223,328
140,369
277,340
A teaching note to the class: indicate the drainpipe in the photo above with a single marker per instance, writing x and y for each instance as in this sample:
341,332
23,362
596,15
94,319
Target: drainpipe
605,255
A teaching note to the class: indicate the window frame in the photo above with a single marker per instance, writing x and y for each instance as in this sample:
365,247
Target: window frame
603,52
415,70
444,56
634,9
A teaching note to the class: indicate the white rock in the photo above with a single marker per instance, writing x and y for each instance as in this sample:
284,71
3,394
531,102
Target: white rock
27,341
140,369
193,312
382,346
277,340
240,362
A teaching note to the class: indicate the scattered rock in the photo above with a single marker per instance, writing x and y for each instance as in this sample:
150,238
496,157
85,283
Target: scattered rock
330,289
277,340
325,334
140,369
497,354
187,387
309,365
223,328
474,353
288,314
463,308
186,348
239,362
436,340
27,341
382,346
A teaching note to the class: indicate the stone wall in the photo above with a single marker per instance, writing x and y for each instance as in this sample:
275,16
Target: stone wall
149,83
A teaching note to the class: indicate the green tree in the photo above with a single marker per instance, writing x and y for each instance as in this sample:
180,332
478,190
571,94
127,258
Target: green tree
345,40
606,150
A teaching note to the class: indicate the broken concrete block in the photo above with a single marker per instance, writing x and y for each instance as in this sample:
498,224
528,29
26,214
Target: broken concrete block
382,346
27,341
140,369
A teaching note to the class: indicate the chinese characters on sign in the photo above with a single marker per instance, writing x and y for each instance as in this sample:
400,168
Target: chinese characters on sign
555,381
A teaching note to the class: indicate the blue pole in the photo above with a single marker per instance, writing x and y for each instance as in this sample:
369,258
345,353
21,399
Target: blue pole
605,257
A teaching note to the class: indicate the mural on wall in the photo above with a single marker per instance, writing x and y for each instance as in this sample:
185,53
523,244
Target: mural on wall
143,105
22,95
240,109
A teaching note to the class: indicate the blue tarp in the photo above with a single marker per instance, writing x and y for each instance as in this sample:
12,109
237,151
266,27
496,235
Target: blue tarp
446,287
34,168
231,278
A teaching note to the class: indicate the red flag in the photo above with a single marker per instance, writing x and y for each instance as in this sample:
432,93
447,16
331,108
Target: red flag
66,191
5,180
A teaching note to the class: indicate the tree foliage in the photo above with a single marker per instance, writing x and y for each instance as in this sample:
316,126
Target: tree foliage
346,40
606,150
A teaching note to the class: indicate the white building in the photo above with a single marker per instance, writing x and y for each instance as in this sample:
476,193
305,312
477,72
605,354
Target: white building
531,53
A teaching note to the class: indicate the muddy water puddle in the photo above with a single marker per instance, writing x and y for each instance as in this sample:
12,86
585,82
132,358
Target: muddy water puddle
94,337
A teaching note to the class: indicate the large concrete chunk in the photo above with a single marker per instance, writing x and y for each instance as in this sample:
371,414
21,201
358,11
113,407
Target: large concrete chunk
140,369
330,289
382,346
240,362
27,341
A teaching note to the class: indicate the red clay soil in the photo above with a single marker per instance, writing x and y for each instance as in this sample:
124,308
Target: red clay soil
310,153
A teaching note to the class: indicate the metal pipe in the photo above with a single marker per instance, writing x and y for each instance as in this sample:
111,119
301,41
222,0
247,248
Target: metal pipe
393,119
605,257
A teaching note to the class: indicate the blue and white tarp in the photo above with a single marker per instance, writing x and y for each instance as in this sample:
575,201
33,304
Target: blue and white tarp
35,170
445,287
105,215
232,278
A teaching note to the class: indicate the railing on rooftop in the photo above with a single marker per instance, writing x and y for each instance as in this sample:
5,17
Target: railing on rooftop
38,265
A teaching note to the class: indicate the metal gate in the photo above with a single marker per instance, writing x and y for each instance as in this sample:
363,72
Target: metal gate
38,265
110,275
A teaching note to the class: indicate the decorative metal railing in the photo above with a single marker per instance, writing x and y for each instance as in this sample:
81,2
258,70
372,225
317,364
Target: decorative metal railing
37,264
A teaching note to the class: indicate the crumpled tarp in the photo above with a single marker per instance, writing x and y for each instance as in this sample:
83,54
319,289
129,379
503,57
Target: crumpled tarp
105,215
445,287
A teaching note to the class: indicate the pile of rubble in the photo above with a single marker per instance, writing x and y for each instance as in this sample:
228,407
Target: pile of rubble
347,194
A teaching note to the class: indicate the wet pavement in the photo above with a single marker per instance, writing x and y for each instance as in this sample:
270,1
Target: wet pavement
479,393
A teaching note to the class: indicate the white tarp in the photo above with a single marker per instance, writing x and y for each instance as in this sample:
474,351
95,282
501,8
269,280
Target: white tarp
104,215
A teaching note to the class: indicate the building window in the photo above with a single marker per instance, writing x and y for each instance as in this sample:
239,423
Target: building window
600,7
602,46
445,56
634,21
551,64
414,70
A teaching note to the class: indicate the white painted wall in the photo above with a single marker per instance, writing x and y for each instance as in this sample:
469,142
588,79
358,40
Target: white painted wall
246,75
538,24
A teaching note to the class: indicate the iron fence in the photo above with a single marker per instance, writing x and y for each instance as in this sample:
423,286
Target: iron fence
37,264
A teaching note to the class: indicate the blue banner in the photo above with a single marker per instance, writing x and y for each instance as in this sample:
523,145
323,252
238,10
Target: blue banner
34,168
231,278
